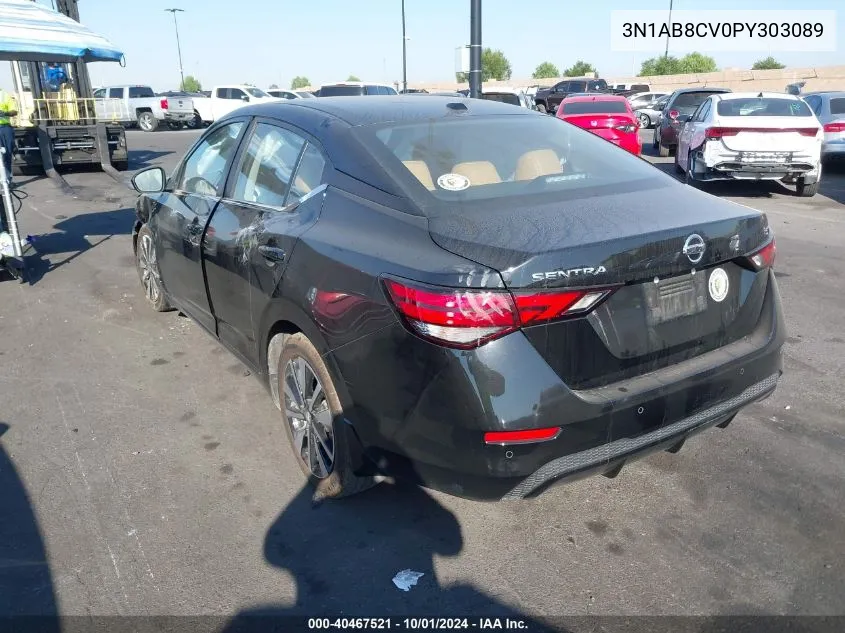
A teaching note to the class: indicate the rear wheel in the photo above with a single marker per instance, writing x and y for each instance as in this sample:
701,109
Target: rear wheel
678,167
146,262
645,121
322,442
195,123
147,121
541,107
173,125
663,150
654,142
690,171
807,191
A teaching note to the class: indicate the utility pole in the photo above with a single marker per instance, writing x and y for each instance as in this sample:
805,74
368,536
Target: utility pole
178,45
666,54
404,53
475,50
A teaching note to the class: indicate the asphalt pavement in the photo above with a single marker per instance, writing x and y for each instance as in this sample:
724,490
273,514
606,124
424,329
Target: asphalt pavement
143,471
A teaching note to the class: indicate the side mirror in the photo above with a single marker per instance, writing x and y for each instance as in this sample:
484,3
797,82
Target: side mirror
150,180
244,98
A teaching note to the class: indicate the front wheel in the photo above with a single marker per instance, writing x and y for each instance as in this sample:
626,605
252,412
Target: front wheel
147,122
807,191
195,123
645,121
541,107
146,261
322,442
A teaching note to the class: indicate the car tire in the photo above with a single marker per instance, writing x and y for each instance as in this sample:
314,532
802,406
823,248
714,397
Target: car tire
663,151
302,374
678,167
654,142
645,120
195,123
173,125
146,262
689,177
147,121
541,108
807,191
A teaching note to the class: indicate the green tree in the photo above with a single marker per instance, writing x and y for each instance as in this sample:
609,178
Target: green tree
352,78
546,70
698,63
579,69
191,84
494,65
767,63
299,82
670,65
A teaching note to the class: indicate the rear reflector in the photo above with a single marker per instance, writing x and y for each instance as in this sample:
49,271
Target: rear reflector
521,437
838,126
719,132
465,319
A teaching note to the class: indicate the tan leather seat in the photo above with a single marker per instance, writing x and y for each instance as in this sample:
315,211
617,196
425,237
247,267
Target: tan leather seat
478,172
536,163
421,172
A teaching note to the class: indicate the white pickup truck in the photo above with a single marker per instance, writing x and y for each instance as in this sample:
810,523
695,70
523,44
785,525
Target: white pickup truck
139,104
224,99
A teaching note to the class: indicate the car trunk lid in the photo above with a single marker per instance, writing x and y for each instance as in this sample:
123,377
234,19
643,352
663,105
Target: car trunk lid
767,134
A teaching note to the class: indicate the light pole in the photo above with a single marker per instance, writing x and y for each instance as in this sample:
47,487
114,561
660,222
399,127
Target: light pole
666,54
404,53
475,50
178,45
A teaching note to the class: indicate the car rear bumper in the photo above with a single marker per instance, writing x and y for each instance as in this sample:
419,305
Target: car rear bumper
182,117
424,415
724,164
833,148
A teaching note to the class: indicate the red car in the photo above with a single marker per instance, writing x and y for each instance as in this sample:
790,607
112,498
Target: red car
607,116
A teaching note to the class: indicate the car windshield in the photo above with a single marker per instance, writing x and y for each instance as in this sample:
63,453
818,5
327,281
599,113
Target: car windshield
594,107
837,106
493,157
255,92
689,101
503,97
341,91
755,106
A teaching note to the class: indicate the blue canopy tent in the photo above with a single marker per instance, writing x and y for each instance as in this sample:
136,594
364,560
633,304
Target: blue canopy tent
34,32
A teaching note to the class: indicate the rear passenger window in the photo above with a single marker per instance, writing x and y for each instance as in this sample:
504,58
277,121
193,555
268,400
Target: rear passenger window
267,165
309,174
115,93
222,93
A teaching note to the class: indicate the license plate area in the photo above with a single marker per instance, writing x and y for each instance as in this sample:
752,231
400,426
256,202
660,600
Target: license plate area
675,298
765,157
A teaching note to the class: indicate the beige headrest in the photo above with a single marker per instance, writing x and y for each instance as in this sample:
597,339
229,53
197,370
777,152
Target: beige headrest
479,172
536,163
421,172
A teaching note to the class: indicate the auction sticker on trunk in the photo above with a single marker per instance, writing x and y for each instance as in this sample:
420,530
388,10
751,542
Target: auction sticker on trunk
453,182
718,285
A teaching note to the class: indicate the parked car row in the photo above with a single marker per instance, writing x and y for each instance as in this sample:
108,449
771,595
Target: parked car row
483,304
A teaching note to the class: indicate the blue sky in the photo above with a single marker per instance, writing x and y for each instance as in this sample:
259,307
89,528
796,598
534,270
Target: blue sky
271,41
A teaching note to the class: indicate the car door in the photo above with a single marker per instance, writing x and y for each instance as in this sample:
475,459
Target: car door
185,208
253,230
558,94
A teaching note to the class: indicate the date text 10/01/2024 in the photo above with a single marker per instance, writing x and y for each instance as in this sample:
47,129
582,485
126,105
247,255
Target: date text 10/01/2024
416,624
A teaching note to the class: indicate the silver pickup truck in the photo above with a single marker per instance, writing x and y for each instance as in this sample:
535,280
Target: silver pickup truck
140,105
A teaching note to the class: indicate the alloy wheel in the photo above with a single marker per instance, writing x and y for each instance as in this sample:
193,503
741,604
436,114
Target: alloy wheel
148,267
310,419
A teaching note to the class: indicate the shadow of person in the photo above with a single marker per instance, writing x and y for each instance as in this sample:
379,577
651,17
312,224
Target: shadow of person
344,554
26,586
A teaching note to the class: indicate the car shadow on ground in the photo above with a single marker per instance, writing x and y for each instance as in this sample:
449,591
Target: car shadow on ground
26,585
343,556
143,158
73,237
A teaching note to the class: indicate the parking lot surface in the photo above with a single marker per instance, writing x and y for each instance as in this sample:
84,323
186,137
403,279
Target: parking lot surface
143,471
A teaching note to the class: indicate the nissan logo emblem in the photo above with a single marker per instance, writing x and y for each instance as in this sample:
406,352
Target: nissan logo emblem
694,248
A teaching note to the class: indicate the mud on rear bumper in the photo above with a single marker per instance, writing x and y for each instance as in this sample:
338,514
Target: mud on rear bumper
609,458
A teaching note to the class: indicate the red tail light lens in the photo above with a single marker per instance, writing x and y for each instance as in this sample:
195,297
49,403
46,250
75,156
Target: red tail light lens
838,126
164,104
628,127
673,114
521,437
465,319
765,257
719,132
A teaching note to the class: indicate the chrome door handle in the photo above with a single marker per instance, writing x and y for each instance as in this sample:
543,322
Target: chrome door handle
272,253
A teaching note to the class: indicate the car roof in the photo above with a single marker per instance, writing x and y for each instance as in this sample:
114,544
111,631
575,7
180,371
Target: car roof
756,95
702,89
357,83
825,93
495,89
595,97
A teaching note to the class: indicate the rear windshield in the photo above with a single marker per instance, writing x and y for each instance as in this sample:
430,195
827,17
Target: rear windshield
837,106
690,100
140,92
341,91
503,97
753,106
594,107
482,158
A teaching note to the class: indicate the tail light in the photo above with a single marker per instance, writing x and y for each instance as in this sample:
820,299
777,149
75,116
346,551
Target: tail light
467,318
164,104
627,127
673,114
715,133
764,258
838,126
